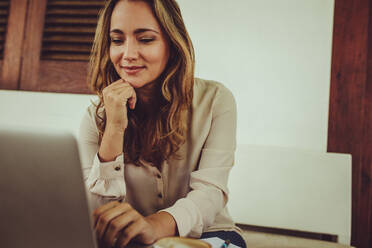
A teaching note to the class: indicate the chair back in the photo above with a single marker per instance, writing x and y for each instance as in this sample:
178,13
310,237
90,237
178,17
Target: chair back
292,189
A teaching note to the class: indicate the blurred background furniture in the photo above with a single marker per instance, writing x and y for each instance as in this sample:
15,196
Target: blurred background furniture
279,193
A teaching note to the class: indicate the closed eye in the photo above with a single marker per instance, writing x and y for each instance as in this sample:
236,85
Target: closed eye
146,40
116,41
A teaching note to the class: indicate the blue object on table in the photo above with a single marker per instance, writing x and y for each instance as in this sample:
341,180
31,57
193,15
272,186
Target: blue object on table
225,244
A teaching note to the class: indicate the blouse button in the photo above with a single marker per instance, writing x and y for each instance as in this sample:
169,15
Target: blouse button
117,168
160,195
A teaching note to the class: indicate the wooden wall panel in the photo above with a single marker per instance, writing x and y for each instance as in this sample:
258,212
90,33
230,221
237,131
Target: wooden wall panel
63,76
14,45
350,116
32,45
365,185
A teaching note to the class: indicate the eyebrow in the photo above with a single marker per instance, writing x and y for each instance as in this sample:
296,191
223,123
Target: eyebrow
137,31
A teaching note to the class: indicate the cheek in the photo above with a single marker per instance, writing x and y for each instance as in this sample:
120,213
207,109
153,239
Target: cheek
158,55
114,55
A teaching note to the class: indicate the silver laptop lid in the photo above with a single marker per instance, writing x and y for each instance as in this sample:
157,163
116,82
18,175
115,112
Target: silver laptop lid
43,201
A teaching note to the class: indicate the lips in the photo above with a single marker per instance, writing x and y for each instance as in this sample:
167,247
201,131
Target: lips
131,70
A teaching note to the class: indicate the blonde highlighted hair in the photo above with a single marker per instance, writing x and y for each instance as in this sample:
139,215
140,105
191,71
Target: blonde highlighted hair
157,140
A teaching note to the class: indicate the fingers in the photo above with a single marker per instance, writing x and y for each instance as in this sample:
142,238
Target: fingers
115,85
134,229
118,83
130,95
107,217
133,100
118,224
97,212
123,90
111,219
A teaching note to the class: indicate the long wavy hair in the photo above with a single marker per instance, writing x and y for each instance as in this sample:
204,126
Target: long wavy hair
153,139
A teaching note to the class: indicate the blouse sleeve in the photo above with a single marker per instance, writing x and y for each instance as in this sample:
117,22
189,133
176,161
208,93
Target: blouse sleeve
104,180
209,194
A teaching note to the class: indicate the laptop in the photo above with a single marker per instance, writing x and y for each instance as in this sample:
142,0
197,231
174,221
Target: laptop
43,200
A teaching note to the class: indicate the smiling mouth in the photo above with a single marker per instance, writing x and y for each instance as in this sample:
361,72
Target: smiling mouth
131,70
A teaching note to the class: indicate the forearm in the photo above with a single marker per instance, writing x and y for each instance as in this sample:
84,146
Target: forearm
112,143
164,223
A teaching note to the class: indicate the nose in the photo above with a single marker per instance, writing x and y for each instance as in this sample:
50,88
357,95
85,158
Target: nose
130,51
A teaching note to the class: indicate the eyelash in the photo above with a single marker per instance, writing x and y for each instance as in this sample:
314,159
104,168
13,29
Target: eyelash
115,41
145,40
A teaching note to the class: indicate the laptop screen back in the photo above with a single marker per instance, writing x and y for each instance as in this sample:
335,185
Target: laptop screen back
43,201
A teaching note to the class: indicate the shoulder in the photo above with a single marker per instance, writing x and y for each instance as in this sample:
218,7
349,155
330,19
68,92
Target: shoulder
210,90
213,95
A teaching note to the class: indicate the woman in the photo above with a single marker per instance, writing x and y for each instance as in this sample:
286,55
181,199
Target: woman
158,146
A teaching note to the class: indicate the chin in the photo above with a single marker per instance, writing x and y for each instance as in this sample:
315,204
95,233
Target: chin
137,83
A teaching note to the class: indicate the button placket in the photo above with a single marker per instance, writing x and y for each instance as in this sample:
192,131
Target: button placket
164,176
159,182
157,177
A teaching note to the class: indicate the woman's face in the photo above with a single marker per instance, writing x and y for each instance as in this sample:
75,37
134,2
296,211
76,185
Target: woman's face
139,50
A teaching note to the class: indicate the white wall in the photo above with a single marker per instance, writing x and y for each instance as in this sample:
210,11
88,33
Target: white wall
42,110
273,54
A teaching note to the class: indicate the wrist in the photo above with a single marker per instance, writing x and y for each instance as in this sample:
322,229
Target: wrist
111,144
163,224
115,128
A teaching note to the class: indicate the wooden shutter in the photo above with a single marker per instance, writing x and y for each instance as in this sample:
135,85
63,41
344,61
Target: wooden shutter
59,45
4,11
69,29
12,27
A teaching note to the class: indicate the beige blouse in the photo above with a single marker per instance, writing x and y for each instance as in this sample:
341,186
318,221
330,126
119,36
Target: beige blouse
194,189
